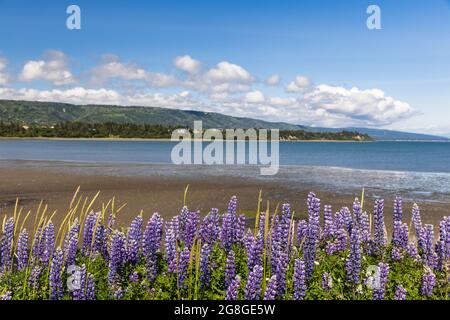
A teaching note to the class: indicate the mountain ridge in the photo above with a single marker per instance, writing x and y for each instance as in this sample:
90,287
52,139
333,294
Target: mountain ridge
51,113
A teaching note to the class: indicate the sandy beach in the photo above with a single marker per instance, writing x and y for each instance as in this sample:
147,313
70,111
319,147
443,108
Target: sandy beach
56,182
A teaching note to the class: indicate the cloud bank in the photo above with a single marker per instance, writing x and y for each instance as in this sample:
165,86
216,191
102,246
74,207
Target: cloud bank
225,87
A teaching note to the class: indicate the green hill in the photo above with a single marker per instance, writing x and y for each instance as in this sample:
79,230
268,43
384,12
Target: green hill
51,113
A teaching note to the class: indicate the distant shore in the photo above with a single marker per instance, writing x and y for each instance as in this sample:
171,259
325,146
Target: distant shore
157,139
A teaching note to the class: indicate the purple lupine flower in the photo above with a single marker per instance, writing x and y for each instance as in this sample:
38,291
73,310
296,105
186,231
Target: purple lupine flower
240,229
444,236
205,269
428,283
71,243
90,289
230,268
378,220
210,228
262,222
396,254
88,233
412,251
6,296
338,221
403,235
55,280
110,223
253,286
330,248
171,247
284,226
22,250
398,209
357,211
80,292
117,256
255,251
134,240
48,243
191,226
7,244
302,229
232,289
417,222
347,218
280,272
353,262
271,289
229,222
132,249
248,241
183,265
118,293
151,243
33,280
440,254
380,289
365,227
182,220
341,239
400,293
396,241
101,241
312,237
327,281
275,241
36,246
429,255
447,236
328,229
397,220
299,280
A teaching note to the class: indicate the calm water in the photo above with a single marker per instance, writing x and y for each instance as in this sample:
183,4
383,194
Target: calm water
396,156
421,169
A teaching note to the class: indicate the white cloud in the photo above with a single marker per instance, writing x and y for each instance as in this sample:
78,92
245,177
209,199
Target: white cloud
299,84
254,97
80,95
225,72
112,68
230,87
187,64
273,80
4,77
369,107
54,68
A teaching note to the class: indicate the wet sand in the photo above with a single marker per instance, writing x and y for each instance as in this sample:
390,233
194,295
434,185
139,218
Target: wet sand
55,184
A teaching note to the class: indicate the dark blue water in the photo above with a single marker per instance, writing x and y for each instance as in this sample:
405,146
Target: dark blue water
396,156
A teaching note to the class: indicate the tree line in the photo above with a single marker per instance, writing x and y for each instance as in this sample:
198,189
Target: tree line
144,131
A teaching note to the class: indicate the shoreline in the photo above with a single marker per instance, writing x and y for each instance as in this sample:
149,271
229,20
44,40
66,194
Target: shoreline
161,139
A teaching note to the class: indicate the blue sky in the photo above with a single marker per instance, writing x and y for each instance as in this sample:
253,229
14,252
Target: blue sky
126,52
